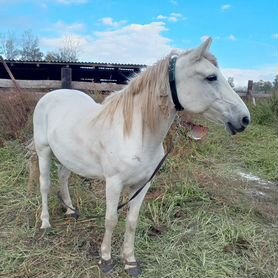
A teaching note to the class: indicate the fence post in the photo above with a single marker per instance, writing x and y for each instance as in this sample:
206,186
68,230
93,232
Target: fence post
249,93
10,74
66,74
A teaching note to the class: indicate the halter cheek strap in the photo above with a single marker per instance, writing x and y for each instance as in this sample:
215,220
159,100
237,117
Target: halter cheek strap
172,82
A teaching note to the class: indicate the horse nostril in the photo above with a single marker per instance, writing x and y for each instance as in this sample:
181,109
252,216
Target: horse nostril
245,121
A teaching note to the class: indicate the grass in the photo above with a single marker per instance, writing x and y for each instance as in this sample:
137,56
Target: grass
198,219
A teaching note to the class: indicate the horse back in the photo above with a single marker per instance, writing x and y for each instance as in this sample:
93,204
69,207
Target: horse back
61,109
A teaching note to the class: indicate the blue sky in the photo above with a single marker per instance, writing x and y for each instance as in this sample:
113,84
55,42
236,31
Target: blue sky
245,33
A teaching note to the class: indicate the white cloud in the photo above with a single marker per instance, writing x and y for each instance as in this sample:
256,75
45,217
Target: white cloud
139,44
161,17
176,14
64,28
226,7
275,36
172,17
134,43
232,37
69,2
108,21
241,76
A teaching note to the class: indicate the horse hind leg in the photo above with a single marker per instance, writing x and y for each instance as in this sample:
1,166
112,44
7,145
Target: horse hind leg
44,155
33,165
64,174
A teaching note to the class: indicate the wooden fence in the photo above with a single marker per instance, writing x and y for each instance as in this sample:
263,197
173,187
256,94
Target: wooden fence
42,85
103,87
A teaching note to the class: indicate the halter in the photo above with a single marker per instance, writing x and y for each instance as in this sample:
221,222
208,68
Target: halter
172,82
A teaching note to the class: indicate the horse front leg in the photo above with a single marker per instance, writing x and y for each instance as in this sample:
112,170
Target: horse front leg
131,265
113,192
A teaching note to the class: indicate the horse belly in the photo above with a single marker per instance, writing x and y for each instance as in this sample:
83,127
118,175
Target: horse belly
88,169
73,152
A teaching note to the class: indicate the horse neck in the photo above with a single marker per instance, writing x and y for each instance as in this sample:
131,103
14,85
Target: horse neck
157,136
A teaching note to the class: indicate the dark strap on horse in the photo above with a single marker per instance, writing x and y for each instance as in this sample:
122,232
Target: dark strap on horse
178,106
76,211
150,178
172,81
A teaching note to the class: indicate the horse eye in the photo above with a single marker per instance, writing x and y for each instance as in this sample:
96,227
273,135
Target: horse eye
212,77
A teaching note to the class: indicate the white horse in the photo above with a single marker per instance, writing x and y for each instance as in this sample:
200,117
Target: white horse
121,139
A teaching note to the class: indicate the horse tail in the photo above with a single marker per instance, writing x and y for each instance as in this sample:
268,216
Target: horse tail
33,165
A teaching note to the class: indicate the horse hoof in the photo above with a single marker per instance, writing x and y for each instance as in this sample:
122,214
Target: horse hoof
133,271
75,215
106,266
45,225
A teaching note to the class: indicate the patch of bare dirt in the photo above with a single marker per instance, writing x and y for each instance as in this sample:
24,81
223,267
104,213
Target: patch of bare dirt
262,198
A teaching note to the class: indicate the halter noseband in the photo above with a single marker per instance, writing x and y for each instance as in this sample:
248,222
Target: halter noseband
172,81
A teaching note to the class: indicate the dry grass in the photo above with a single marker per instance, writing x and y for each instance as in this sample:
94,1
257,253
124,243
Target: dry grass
198,220
15,111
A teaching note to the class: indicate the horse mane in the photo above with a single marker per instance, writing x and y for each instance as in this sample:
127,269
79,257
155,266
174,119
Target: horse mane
151,89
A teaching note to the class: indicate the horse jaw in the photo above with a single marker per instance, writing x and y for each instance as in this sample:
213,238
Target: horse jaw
230,112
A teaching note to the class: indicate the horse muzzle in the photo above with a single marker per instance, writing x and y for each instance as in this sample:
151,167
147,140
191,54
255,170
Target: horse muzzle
235,128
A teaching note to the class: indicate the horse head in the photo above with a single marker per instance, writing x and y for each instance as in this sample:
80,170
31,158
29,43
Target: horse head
202,88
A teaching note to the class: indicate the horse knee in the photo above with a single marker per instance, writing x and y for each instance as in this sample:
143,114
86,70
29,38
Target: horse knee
63,173
44,186
111,222
131,224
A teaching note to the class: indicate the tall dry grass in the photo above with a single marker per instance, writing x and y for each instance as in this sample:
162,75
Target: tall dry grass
16,109
15,112
266,111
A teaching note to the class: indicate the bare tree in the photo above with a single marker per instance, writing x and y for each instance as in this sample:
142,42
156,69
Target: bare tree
70,49
9,46
30,47
52,56
67,53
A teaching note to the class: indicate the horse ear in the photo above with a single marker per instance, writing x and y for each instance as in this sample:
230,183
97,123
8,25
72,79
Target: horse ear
198,53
